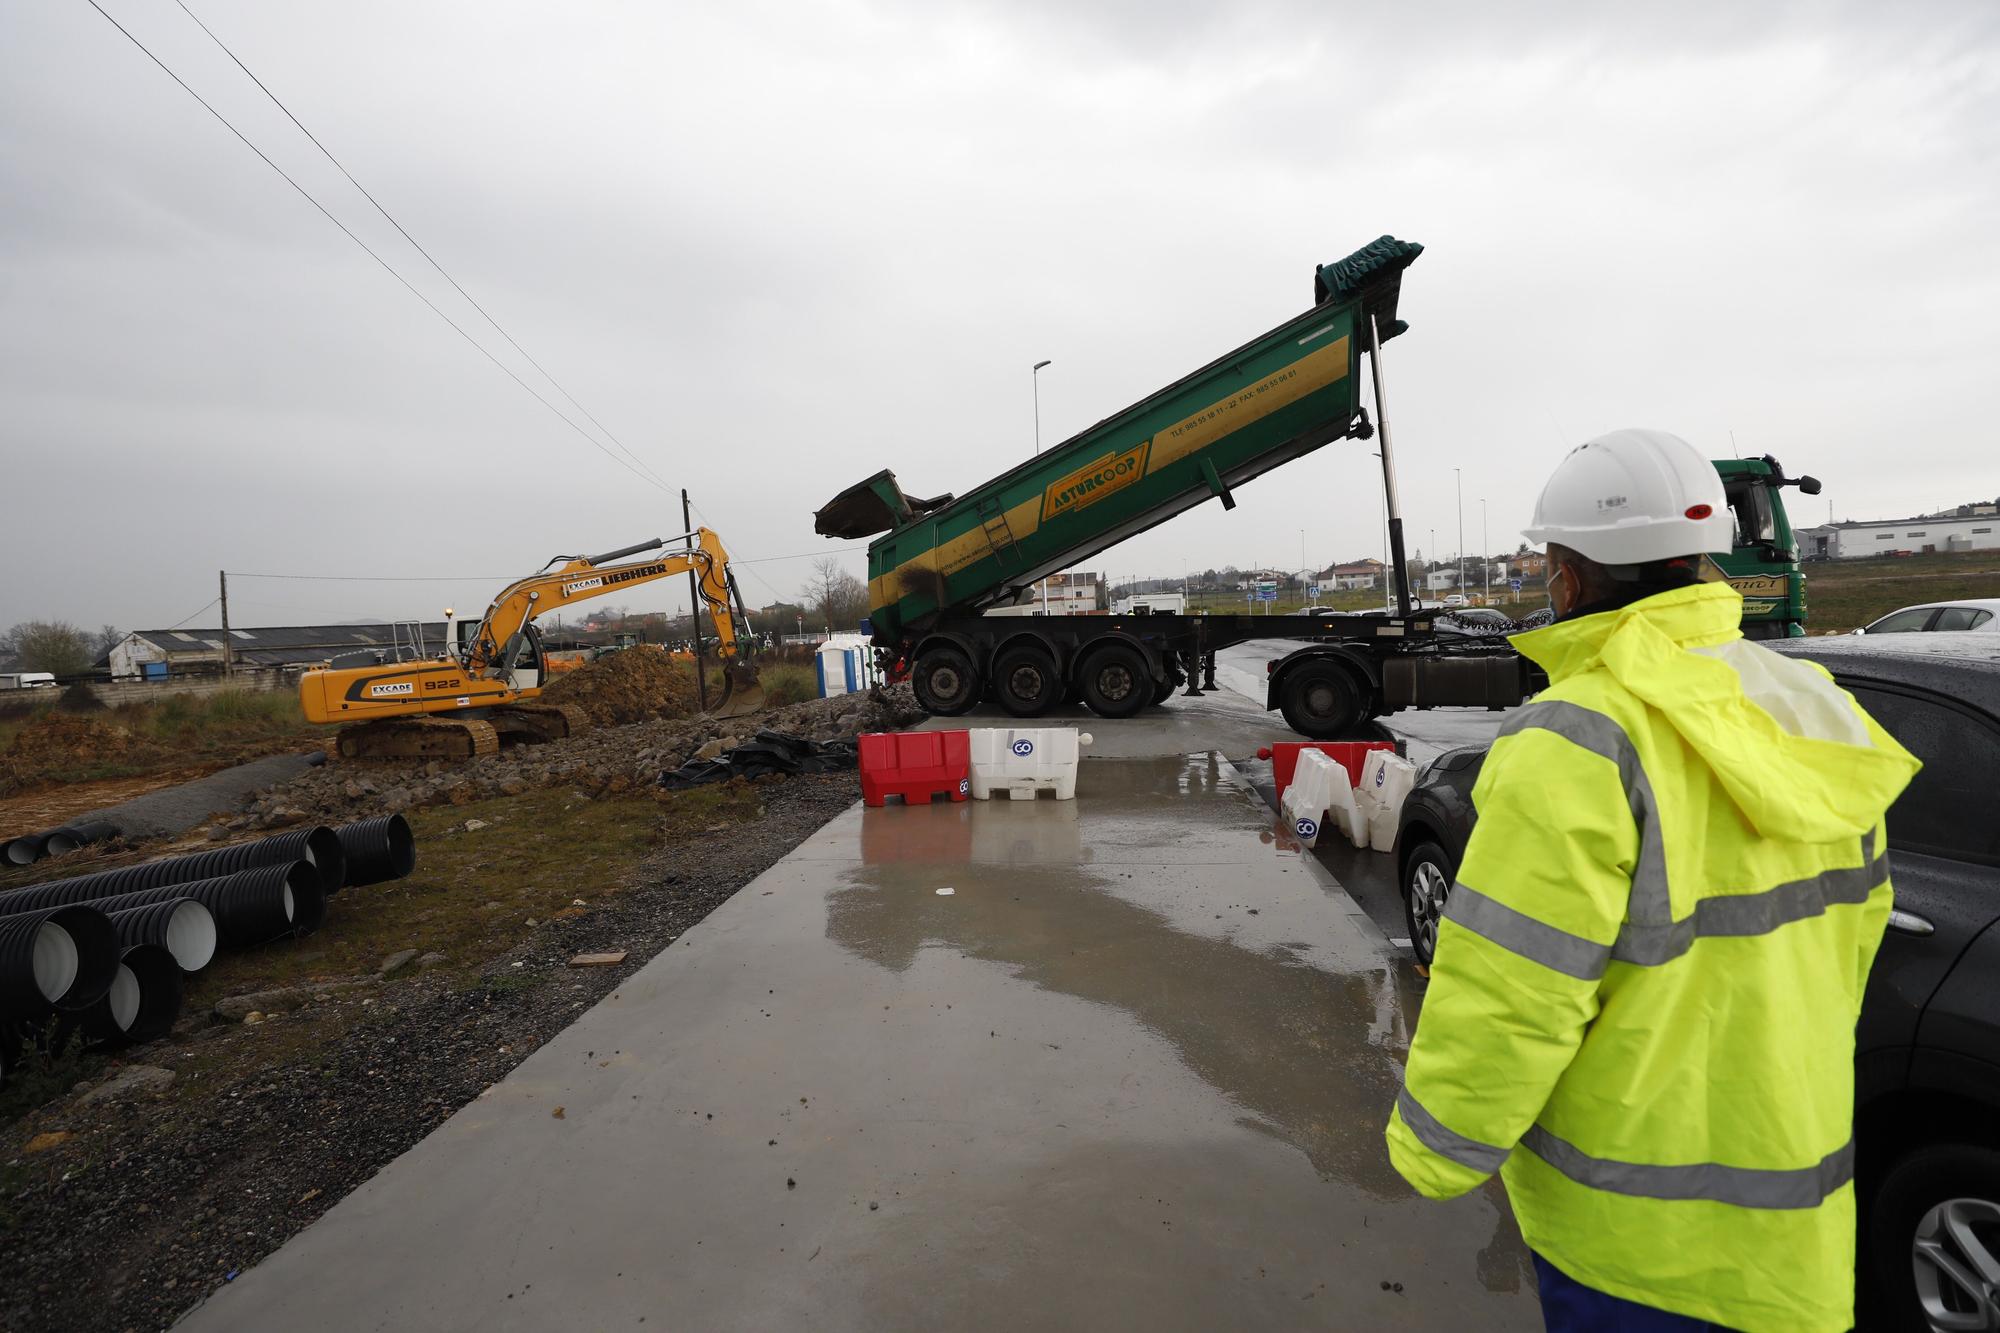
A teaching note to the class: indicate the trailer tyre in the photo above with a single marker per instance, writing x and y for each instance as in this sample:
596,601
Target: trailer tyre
1320,700
1114,681
944,681
1026,682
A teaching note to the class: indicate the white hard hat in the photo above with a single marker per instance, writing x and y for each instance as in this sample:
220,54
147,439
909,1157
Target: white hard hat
1634,496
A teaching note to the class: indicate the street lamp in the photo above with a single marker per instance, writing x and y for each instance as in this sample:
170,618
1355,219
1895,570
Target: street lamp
1459,558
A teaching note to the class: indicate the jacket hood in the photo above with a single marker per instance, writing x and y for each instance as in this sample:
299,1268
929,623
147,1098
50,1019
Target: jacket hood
1795,753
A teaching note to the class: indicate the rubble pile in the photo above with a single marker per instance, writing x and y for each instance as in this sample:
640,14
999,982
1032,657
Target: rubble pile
603,761
636,685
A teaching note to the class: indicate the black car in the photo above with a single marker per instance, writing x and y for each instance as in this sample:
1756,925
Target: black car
1927,1050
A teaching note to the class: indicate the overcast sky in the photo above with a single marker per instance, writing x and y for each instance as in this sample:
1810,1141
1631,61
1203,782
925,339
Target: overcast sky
776,247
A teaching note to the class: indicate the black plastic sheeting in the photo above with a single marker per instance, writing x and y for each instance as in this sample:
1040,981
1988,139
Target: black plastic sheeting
766,753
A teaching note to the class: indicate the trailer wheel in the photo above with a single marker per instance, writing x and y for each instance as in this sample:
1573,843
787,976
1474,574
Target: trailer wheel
1320,700
1114,681
1026,682
944,681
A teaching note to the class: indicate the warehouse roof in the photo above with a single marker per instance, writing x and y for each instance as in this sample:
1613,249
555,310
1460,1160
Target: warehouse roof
279,645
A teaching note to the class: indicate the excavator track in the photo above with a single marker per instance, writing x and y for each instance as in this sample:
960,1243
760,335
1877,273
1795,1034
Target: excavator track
539,723
417,738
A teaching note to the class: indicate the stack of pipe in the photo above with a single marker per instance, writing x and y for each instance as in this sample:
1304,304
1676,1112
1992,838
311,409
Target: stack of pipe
114,945
32,847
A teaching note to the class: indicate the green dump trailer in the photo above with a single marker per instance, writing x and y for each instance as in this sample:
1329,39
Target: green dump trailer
937,566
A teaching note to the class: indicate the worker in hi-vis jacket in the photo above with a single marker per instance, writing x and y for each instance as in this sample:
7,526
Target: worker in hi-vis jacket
1642,1007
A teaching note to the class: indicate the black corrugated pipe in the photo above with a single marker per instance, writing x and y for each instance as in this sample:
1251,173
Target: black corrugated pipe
378,849
250,907
72,836
183,927
60,957
24,850
284,849
144,999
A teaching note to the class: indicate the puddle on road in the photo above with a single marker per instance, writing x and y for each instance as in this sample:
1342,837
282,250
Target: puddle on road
1309,1050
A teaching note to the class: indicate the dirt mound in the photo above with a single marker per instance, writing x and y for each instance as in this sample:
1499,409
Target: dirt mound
62,741
637,685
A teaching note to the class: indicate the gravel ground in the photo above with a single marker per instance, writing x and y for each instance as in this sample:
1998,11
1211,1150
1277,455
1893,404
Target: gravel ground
613,759
161,1196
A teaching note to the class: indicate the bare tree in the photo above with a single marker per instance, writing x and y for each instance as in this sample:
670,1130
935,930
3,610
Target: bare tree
833,596
54,646
107,638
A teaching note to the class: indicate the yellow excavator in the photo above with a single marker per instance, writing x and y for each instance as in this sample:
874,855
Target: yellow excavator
484,687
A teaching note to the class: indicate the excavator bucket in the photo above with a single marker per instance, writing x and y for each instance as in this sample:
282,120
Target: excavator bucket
741,694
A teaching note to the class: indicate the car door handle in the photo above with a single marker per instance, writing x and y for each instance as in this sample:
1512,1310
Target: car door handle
1909,923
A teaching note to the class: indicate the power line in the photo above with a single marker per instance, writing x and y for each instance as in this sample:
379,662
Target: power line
387,267
380,578
204,606
803,555
328,153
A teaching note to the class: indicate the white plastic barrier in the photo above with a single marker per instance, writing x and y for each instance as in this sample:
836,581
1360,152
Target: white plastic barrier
1319,795
1018,763
1386,779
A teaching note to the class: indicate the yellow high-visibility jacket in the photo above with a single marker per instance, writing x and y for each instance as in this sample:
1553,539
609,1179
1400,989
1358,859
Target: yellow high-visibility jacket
1643,1002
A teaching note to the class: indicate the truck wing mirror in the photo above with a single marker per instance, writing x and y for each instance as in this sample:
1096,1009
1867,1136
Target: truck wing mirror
1808,485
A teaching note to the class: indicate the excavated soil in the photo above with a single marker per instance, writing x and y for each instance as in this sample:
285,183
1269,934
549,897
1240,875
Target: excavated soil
636,685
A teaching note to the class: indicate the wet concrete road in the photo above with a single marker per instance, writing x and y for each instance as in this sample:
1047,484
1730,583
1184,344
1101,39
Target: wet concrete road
1130,1073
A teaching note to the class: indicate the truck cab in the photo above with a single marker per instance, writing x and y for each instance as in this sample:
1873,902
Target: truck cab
1764,564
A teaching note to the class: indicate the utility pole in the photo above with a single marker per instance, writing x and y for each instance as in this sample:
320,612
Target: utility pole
694,603
228,650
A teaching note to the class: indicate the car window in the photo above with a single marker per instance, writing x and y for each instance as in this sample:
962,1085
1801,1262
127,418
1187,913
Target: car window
1961,617
1903,621
1950,808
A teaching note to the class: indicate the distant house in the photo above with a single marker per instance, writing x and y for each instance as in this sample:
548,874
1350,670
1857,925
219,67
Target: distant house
1356,574
156,653
1531,565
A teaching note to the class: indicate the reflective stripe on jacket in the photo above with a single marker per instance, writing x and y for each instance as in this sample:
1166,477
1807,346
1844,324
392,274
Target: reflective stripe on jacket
1643,1003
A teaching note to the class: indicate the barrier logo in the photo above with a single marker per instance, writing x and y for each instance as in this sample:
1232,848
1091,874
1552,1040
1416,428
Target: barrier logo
1381,774
1024,748
964,786
1308,828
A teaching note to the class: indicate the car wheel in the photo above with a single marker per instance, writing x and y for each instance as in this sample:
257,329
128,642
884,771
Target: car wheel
945,682
1320,701
1933,1241
1427,876
1114,681
1025,682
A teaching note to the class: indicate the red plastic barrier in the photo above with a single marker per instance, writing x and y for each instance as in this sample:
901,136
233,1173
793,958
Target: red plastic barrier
915,765
1350,755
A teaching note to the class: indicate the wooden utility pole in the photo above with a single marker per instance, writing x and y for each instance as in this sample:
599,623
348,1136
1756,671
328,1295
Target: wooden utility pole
228,651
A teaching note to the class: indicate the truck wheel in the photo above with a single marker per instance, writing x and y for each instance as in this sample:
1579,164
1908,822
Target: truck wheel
1114,681
1025,682
945,683
1164,690
1320,701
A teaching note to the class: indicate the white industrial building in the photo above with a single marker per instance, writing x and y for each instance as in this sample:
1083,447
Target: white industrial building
1850,541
